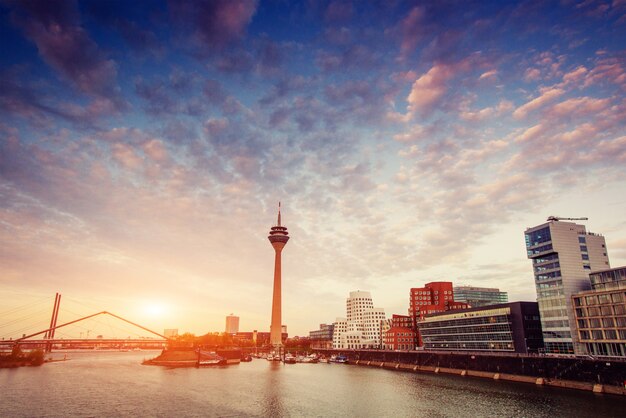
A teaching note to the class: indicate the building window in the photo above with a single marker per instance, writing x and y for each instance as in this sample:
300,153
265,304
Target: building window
585,256
582,240
583,248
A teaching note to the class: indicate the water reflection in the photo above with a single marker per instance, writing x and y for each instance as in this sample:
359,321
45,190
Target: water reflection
272,390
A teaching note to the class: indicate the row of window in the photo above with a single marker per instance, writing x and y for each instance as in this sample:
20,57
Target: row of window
558,323
600,299
606,322
537,237
554,313
604,310
549,285
551,303
547,276
474,346
548,266
548,293
559,347
538,250
545,258
607,334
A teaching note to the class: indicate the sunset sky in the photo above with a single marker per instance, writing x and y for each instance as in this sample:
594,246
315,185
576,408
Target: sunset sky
144,147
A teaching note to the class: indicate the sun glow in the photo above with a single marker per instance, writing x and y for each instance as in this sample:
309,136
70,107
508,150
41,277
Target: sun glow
155,309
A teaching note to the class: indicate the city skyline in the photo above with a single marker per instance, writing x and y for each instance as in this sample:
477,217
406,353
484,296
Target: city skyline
142,152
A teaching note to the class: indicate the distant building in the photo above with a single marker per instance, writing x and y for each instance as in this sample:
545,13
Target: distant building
479,296
232,324
601,313
513,327
434,297
362,327
563,254
260,339
322,337
170,332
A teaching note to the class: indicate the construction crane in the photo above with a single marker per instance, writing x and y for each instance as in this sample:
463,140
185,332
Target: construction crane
558,218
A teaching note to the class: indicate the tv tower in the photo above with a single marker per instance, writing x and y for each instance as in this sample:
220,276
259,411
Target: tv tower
278,237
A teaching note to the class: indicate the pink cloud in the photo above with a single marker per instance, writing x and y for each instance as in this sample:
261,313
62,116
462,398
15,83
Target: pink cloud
415,133
531,133
607,70
580,107
575,76
429,88
65,46
487,112
412,29
532,74
217,23
488,74
545,97
155,149
126,155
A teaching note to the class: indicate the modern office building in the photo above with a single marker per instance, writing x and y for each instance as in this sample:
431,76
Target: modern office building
322,337
232,324
362,326
601,313
479,296
513,327
563,254
434,297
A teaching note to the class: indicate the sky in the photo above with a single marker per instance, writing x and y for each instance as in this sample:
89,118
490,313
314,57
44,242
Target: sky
144,147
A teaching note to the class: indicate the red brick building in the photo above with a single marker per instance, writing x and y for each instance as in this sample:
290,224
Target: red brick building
434,297
400,338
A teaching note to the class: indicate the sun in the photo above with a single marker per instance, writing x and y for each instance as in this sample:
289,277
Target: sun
155,309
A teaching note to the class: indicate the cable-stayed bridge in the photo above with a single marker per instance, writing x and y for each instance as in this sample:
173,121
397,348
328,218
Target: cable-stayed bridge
52,336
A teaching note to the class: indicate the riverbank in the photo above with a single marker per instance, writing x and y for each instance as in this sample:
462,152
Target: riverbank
569,384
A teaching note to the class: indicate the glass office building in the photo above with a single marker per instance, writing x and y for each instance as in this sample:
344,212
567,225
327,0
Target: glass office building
563,254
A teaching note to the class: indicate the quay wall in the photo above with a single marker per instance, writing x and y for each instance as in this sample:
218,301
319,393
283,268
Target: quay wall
602,376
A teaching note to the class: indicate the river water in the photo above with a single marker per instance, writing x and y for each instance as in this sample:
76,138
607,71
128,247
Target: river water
115,384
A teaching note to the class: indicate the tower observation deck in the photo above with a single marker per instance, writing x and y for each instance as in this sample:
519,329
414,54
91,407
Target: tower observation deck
278,237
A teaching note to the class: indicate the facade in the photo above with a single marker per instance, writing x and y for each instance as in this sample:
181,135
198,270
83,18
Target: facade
278,237
513,327
434,297
601,313
563,254
340,329
372,321
476,297
323,337
400,338
232,324
363,325
400,335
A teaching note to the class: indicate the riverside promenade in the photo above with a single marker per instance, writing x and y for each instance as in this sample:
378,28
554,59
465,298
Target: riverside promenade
590,374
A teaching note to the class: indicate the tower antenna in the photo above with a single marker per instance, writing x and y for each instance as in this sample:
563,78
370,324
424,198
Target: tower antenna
279,213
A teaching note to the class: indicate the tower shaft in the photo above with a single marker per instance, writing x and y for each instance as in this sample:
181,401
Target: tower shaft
276,325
